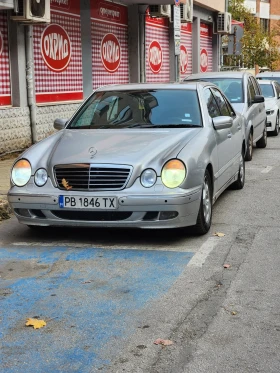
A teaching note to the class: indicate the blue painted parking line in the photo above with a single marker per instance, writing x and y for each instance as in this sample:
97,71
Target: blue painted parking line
90,296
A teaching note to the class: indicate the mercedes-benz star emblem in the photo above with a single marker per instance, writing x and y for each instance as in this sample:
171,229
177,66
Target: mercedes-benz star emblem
92,151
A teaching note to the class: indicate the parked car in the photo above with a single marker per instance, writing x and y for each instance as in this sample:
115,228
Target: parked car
143,155
244,93
269,75
271,92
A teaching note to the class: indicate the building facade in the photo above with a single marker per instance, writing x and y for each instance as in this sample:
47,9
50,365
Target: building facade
47,70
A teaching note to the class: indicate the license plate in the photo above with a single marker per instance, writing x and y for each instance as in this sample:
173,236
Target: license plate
73,202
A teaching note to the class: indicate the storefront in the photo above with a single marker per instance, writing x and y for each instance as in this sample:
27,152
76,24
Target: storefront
206,48
58,55
186,50
157,49
110,63
5,82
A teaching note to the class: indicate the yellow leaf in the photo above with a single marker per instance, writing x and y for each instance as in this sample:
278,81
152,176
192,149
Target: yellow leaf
65,184
37,324
217,234
234,313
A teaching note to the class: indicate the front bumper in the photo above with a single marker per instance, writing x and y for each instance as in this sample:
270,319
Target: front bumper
154,210
271,122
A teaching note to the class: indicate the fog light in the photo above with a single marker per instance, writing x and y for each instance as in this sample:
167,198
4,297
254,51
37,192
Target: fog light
167,215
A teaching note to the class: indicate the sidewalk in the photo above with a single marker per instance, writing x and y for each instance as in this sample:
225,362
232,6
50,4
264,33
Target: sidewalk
5,167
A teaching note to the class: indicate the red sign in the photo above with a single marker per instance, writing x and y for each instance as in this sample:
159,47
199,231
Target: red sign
1,43
183,59
203,60
56,47
108,12
155,56
111,52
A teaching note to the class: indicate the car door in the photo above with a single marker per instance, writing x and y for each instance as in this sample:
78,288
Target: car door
260,113
252,109
234,133
223,141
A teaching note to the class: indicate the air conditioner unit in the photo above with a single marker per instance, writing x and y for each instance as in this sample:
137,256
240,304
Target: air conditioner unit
187,11
224,23
160,11
7,4
32,11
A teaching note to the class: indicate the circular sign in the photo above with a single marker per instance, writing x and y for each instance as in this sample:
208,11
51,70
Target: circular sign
155,57
203,60
56,47
111,52
183,59
1,43
177,2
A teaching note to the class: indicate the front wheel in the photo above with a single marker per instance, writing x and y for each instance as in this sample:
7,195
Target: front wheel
204,218
249,152
239,183
262,141
276,130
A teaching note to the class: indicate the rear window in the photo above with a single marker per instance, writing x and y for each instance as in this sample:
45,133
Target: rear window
232,88
267,90
276,78
139,108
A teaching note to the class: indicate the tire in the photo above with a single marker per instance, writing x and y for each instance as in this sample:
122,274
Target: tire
249,151
276,130
204,217
239,183
263,141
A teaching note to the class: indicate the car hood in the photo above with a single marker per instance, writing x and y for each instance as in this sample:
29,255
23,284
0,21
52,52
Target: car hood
142,148
239,107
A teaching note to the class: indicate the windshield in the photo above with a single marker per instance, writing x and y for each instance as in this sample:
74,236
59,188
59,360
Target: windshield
139,109
277,78
267,90
231,87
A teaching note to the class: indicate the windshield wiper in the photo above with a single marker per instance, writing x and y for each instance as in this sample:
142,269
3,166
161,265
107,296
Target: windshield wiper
164,126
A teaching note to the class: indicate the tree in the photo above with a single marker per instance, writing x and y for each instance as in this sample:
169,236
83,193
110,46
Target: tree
258,46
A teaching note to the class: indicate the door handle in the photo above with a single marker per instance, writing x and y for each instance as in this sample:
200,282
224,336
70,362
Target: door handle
229,135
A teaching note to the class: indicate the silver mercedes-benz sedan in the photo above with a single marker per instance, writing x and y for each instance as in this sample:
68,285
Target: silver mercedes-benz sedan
136,155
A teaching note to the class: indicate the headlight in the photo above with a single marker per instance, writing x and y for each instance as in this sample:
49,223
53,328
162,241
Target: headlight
41,177
21,172
173,173
148,178
269,112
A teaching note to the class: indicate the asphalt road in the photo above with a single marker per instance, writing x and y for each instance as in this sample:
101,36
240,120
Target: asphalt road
107,295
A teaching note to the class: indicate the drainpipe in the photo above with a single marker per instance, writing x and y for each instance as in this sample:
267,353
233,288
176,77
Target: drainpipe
142,44
30,80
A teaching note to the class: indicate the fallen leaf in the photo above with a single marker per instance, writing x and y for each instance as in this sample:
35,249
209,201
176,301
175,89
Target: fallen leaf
226,265
234,313
66,184
164,342
218,234
37,324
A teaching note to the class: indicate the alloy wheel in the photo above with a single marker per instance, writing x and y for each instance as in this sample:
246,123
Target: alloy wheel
206,198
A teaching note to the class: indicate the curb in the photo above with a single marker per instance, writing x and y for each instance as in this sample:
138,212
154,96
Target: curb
5,209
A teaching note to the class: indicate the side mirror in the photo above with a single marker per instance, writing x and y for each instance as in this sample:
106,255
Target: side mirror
59,124
258,99
223,122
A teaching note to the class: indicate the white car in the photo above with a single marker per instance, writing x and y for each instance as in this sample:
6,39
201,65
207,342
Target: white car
271,92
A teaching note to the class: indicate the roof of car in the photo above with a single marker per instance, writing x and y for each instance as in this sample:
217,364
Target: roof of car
227,74
268,73
150,86
266,81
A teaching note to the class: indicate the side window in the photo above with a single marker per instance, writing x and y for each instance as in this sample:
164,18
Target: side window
221,101
277,88
256,86
211,103
251,92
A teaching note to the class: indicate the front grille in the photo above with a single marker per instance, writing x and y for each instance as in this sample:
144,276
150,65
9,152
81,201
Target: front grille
92,176
92,215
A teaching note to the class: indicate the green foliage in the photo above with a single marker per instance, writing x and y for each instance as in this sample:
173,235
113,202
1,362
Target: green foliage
258,47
